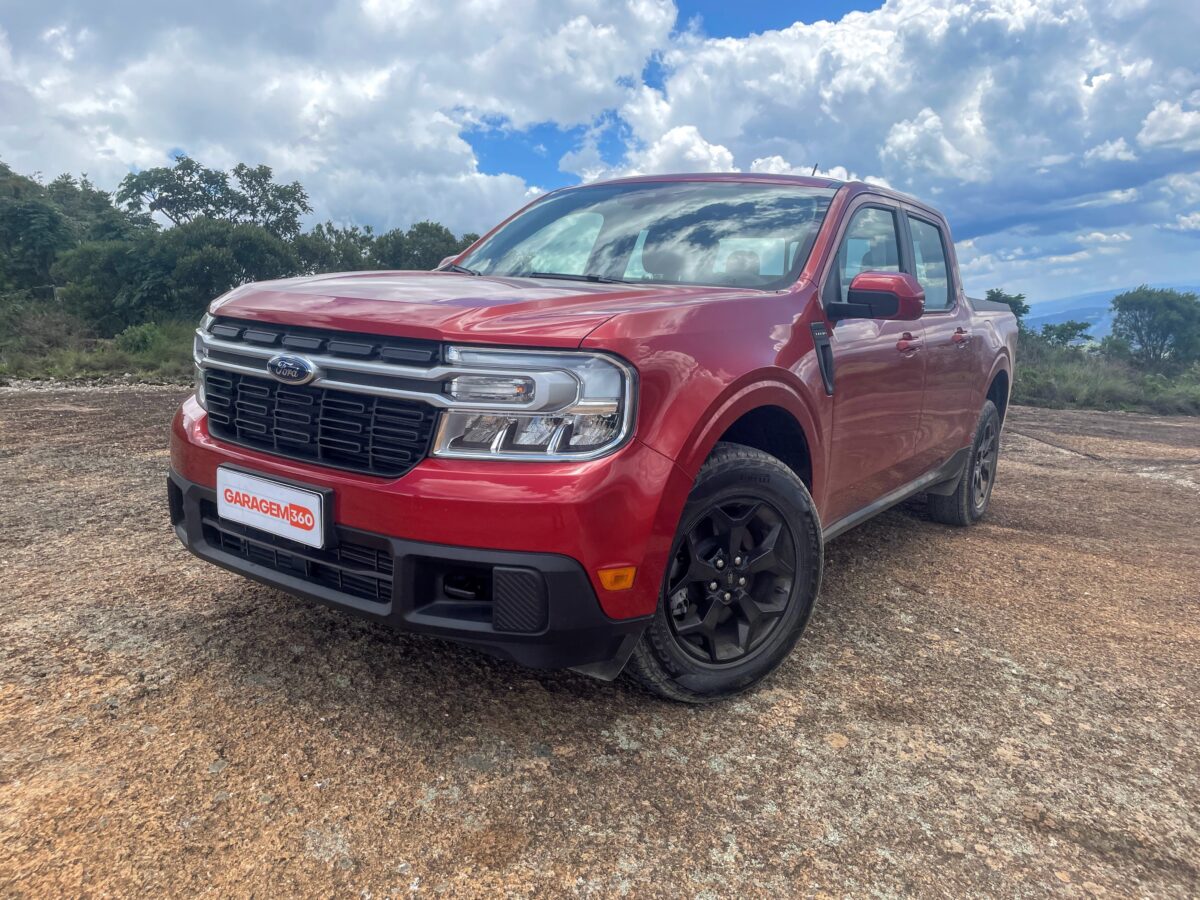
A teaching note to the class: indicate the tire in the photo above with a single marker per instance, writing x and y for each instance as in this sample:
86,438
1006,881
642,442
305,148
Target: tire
713,635
971,497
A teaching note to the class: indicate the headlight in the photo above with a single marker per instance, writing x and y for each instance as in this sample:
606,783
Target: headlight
580,405
199,352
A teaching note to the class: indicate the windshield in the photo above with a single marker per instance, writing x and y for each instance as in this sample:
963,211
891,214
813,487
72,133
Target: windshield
689,232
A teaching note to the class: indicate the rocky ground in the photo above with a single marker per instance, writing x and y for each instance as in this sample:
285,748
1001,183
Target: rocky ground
1012,709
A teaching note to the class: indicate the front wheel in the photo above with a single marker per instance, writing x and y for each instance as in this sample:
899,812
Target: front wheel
740,583
973,493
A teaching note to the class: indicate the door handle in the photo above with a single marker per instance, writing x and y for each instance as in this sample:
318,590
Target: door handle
961,336
907,342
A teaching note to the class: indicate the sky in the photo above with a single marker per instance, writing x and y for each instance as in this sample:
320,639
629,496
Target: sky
1060,137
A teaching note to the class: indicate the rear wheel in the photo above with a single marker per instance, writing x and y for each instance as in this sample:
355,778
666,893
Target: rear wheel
744,571
973,493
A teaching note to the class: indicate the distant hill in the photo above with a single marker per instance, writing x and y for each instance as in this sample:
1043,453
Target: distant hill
1094,308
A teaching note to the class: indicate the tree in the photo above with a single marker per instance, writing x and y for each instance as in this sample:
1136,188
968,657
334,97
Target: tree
32,234
105,282
90,211
188,191
390,250
1161,326
1064,334
427,244
258,200
329,248
1016,302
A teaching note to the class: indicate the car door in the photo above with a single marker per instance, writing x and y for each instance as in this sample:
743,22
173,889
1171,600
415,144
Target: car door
879,371
950,409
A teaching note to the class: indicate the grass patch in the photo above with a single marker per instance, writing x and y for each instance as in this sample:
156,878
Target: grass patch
1072,377
44,342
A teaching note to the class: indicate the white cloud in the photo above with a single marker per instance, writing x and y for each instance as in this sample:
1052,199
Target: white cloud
1185,222
1012,115
682,149
1170,125
1184,186
366,106
1107,198
1100,237
1111,151
920,144
777,165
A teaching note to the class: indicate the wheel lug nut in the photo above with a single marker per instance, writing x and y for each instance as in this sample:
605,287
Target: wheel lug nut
741,581
720,563
712,585
728,596
737,560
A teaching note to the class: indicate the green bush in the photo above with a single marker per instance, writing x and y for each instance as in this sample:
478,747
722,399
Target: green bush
1063,377
161,351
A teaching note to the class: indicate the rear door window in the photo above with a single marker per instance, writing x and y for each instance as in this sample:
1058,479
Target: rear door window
929,260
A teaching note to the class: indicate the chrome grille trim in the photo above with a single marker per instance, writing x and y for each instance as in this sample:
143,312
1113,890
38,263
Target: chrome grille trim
554,389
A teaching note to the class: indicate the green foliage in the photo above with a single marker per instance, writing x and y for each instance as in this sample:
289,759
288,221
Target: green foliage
159,351
1064,334
189,191
91,213
427,243
1063,377
1160,326
1015,302
328,248
91,285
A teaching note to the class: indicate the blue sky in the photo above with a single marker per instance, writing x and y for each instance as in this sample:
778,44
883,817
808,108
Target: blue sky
1061,137
533,153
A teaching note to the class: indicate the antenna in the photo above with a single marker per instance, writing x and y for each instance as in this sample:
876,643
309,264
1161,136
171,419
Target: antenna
814,171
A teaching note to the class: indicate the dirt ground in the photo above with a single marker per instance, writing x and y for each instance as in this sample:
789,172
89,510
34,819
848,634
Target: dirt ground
1012,709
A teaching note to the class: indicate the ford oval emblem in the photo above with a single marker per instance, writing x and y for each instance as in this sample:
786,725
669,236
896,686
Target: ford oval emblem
291,369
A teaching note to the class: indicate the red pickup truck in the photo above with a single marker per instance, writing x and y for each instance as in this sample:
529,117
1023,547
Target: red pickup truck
612,435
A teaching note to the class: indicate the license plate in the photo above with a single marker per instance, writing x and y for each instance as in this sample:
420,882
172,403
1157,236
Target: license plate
280,509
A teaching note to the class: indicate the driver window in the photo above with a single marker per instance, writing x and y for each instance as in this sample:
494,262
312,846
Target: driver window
869,245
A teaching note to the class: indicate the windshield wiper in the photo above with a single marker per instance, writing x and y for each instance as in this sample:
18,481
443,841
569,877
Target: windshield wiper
455,267
599,279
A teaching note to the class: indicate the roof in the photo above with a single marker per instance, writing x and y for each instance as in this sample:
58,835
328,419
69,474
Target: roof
746,177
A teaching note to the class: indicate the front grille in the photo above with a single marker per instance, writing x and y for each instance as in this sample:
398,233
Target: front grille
376,435
349,568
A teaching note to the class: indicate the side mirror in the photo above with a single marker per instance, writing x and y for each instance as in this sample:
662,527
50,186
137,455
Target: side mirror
881,295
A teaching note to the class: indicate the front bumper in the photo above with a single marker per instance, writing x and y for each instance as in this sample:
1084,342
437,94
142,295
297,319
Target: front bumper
562,521
537,609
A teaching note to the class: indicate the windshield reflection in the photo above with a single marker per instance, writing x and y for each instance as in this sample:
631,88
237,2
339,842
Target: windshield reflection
713,233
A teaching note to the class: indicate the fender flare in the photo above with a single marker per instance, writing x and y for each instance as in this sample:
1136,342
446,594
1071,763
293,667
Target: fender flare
755,390
1002,364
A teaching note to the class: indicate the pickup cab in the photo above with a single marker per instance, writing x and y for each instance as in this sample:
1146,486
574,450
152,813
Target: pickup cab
612,435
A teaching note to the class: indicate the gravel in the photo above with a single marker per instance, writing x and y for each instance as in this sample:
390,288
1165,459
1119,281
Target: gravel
1009,709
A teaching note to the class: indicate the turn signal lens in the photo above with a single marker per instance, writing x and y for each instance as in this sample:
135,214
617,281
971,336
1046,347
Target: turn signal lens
618,578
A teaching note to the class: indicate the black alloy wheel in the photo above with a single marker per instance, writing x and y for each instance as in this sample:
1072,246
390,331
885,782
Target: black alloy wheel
730,580
986,456
740,580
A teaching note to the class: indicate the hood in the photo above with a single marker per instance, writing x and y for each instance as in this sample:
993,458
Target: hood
450,306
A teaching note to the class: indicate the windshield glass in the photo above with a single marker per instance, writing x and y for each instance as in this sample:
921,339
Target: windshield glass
689,232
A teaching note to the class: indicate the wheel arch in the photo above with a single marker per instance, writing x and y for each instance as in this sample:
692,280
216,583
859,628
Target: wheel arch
999,388
767,415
